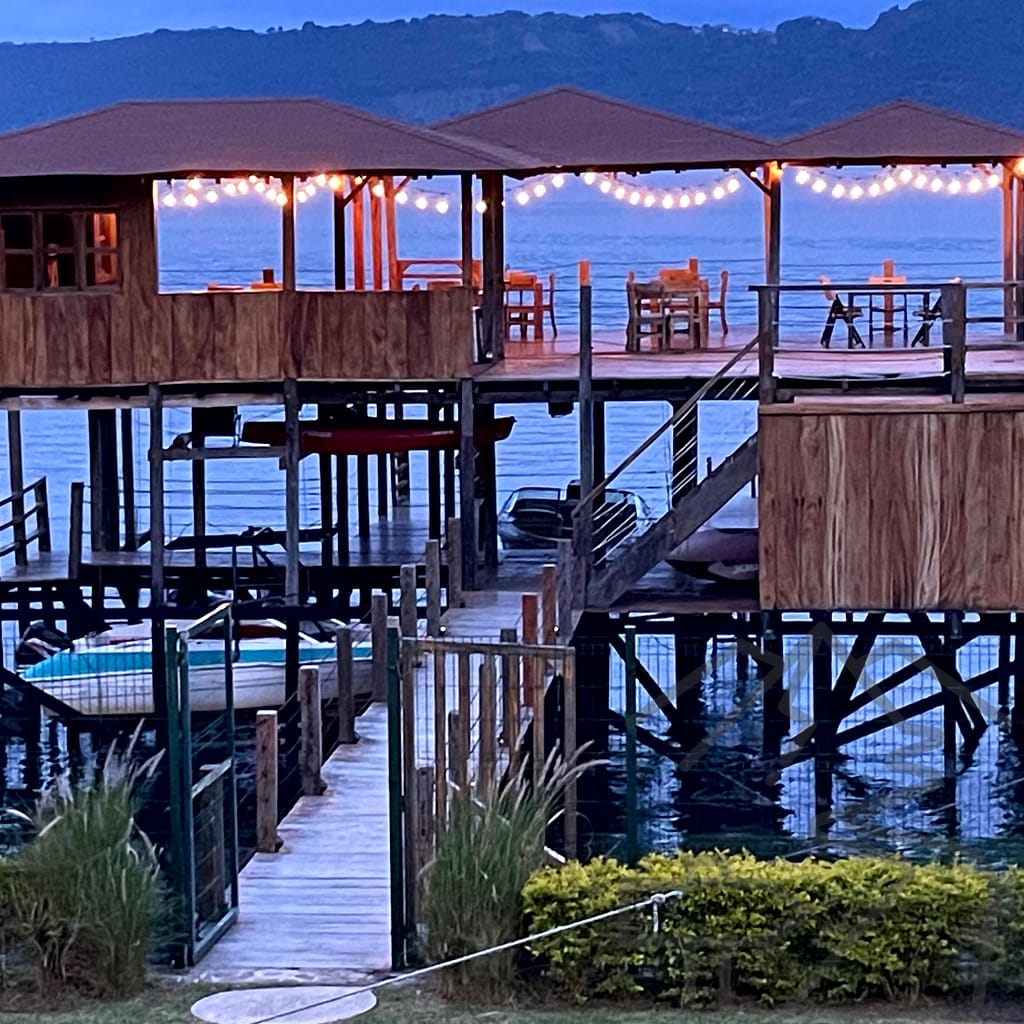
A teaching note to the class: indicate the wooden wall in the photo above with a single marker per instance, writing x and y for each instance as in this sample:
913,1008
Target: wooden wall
911,506
138,336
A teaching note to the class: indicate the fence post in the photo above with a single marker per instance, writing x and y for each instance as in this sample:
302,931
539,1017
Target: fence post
548,586
379,646
453,546
407,600
432,571
953,303
488,727
266,782
631,780
564,596
75,525
569,744
42,514
311,732
440,740
510,698
346,696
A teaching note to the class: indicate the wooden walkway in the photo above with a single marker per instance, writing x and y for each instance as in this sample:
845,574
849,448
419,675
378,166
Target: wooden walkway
320,908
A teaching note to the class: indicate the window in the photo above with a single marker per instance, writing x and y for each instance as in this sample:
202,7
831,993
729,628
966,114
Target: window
58,250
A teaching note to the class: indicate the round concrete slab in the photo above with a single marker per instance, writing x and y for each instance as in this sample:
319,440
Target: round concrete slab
293,1004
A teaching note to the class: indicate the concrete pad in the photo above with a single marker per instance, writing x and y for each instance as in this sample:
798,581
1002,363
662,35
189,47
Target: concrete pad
294,1004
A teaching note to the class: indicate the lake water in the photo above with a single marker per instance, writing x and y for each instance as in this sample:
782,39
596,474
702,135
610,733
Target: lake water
888,791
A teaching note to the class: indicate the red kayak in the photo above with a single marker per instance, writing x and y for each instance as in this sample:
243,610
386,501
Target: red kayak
375,437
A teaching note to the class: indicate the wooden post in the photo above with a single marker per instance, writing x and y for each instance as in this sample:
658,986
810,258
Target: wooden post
548,599
379,645
131,533
341,504
338,224
466,209
529,613
266,782
288,235
358,236
953,301
17,475
440,740
75,527
323,463
771,175
311,745
600,443
510,704
493,332
823,723
292,456
376,238
363,494
346,694
105,491
467,483
408,706
453,550
391,232
156,496
487,475
198,468
423,795
767,342
407,600
382,459
434,481
432,567
586,395
451,505
465,714
488,728
565,591
569,714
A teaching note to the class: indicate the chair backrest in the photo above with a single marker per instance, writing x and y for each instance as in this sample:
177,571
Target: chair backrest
829,293
679,276
516,279
723,287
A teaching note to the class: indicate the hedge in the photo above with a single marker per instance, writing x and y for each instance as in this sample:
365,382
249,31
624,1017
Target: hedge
778,930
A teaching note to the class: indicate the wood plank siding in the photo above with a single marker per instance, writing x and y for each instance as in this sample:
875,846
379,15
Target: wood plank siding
131,334
912,507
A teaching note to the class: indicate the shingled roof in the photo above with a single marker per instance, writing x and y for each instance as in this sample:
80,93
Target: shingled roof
177,137
577,130
904,132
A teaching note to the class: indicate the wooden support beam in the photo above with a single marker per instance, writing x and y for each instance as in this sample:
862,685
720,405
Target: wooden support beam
355,199
432,567
453,555
292,456
341,504
488,750
465,714
391,233
569,745
1009,245
467,483
198,469
266,782
434,481
382,459
564,597
376,240
407,704
953,300
131,532
466,210
363,495
340,256
407,600
346,688
487,469
311,744
379,646
156,496
548,603
493,304
771,175
324,463
441,739
451,504
17,478
510,698
288,235
75,527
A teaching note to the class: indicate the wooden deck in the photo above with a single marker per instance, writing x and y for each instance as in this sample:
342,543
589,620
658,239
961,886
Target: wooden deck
320,907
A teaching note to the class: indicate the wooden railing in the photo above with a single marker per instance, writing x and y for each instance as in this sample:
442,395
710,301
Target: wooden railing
35,518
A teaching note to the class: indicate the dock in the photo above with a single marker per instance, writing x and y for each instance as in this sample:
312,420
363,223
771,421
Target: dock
319,908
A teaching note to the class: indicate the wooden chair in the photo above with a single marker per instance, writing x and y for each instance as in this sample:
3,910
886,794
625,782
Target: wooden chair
718,303
526,305
838,310
685,292
649,316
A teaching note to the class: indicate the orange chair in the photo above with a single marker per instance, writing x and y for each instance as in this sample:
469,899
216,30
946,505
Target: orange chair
719,303
526,305
648,314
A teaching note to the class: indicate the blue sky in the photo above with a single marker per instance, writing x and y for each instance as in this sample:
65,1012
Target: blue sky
53,20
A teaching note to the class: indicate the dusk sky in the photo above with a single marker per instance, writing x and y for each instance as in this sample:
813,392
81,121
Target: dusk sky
53,20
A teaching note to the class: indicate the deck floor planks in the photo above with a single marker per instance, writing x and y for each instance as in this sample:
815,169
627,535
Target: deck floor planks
322,903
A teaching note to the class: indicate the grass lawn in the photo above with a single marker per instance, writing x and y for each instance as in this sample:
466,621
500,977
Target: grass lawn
413,1006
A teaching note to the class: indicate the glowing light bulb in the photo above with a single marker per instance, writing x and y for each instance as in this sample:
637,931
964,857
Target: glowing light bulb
522,197
620,192
191,200
589,178
441,205
954,186
170,199
718,192
993,180
243,188
334,182
803,176
838,190
421,202
668,201
606,186
684,201
634,198
975,185
260,186
650,200
321,180
253,179
271,194
733,185
889,184
301,196
539,189
819,185
195,184
231,189
937,184
699,198
905,175
481,206
282,199
212,196
378,189
310,189
402,197
874,189
921,181
856,191
558,180
358,179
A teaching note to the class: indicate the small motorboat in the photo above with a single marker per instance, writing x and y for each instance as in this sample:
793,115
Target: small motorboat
718,554
539,517
356,434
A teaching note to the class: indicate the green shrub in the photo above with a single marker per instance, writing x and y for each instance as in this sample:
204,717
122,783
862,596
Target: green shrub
778,930
84,895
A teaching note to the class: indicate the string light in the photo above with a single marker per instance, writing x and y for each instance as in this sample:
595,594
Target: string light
935,181
377,189
481,206
665,199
